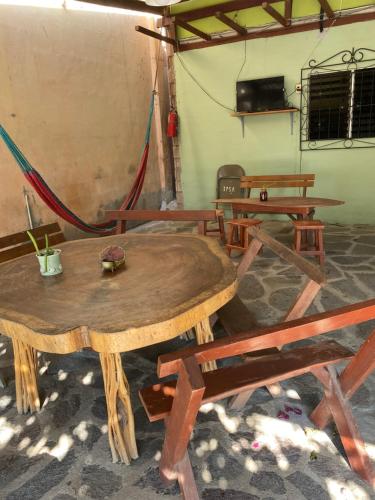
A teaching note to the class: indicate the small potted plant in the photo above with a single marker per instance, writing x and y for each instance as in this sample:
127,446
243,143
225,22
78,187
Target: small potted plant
49,258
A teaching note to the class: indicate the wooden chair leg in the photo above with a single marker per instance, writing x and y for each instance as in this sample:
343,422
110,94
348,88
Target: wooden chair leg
174,462
230,238
246,239
298,241
202,228
220,220
295,239
242,237
350,437
321,247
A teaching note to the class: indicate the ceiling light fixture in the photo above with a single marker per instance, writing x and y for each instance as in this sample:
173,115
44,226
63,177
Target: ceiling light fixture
161,3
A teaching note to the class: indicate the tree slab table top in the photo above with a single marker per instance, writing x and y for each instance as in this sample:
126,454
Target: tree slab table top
302,206
170,284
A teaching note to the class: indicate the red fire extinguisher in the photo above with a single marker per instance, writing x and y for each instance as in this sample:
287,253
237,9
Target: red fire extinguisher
172,123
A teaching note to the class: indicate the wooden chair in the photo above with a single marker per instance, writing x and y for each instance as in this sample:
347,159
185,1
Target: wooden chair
238,236
250,182
178,402
18,244
202,217
302,228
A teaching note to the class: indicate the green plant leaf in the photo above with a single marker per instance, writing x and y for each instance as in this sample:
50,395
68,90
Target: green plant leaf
33,241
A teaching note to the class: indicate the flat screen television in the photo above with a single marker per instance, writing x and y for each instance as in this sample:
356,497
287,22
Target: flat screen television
264,94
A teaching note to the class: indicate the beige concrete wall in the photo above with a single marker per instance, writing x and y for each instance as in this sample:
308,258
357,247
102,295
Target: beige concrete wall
75,90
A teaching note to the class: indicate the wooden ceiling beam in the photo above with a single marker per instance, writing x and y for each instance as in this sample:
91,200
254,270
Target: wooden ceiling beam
275,14
154,34
288,11
278,31
327,8
226,7
229,22
128,4
191,29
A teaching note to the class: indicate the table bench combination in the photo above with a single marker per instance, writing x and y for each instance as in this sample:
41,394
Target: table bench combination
171,284
178,402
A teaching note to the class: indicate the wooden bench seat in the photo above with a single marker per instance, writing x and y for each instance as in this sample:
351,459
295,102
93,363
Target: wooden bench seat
257,372
202,217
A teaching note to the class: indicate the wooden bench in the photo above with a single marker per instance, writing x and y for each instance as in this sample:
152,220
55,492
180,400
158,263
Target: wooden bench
202,217
178,402
18,244
250,182
235,317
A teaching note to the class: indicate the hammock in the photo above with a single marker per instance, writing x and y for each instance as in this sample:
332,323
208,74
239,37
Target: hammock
60,209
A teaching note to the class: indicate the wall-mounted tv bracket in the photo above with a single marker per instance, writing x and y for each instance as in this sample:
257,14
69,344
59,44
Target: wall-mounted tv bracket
241,115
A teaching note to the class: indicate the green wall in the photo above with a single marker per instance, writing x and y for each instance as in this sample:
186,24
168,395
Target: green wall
210,137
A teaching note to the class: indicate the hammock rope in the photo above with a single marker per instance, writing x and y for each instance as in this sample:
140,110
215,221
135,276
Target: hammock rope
55,204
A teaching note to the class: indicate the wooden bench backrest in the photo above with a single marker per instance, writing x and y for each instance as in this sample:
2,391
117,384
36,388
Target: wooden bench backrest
162,215
277,181
18,244
268,337
123,216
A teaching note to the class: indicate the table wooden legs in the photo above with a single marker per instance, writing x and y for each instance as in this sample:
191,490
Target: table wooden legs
204,336
25,366
121,432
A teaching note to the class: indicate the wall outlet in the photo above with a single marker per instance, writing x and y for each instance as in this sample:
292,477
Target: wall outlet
298,87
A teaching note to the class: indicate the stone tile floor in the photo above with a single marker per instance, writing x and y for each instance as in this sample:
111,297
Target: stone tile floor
62,453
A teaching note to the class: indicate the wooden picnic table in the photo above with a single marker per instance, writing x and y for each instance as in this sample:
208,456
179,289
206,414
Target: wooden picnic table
300,207
171,283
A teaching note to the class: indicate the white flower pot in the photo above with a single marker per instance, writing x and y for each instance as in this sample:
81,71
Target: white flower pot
50,265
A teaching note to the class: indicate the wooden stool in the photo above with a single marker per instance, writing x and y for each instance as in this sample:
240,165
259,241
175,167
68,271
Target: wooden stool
316,227
239,239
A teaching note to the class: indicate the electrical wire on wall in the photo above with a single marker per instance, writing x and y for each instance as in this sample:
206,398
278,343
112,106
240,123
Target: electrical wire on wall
188,72
183,65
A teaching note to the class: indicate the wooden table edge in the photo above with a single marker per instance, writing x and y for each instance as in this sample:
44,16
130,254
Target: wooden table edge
112,342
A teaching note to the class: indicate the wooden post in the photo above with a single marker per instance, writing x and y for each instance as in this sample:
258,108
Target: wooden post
173,101
157,70
25,367
121,432
174,462
204,335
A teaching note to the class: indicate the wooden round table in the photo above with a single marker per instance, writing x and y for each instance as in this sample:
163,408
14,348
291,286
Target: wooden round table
294,206
171,283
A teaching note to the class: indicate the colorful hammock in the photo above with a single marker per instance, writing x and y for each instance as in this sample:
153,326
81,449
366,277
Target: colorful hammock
60,209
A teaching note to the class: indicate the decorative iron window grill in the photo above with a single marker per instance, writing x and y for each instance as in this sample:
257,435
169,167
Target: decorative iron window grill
338,101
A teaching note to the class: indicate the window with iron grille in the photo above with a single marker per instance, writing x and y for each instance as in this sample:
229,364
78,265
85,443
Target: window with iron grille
338,102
